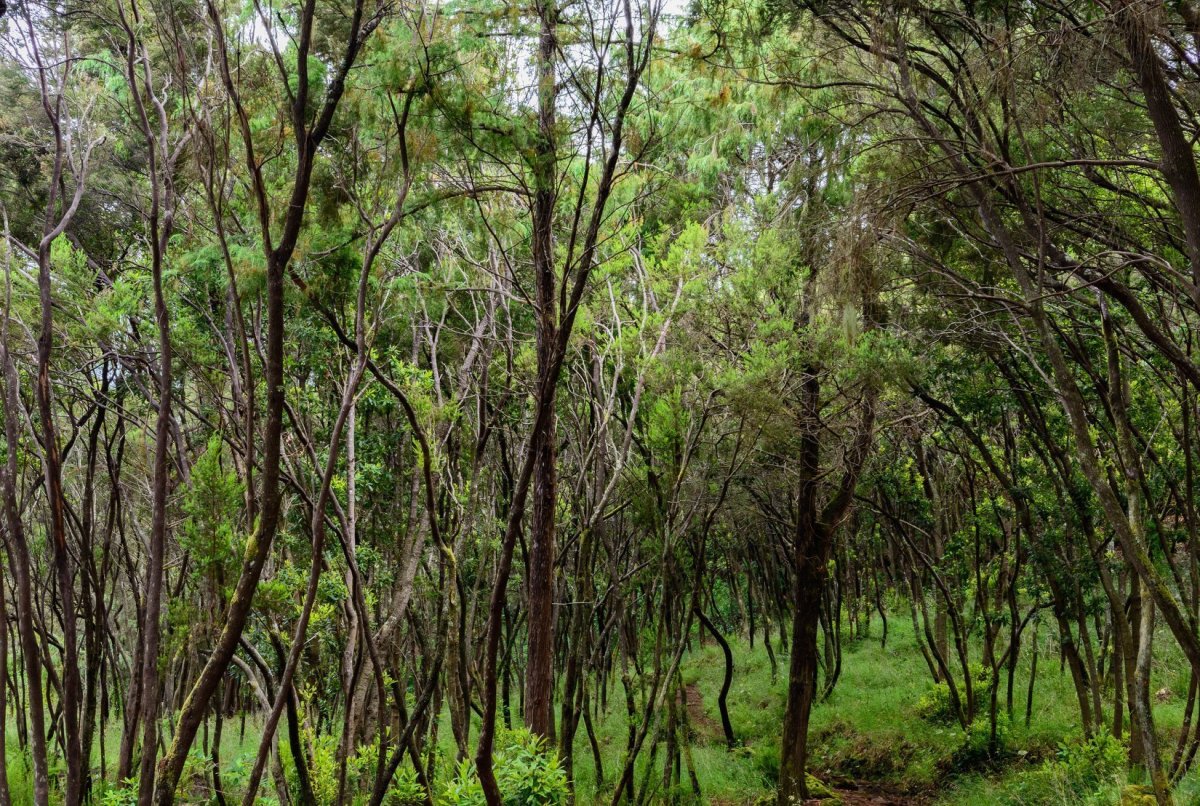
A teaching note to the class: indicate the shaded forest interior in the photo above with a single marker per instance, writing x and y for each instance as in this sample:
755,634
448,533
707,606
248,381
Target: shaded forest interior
462,402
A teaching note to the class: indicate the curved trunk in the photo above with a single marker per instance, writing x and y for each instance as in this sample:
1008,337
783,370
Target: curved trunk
726,682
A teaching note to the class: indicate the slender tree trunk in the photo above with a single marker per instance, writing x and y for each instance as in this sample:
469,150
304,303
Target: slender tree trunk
17,548
152,616
1142,708
811,553
539,671
1033,665
726,681
5,795
64,574
802,679
278,257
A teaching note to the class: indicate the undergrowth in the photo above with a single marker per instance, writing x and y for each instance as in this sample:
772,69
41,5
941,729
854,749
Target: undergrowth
884,726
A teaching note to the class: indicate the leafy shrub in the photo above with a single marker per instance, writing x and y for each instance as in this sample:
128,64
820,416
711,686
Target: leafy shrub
406,789
1084,773
1087,764
977,746
323,766
107,794
527,772
464,788
934,705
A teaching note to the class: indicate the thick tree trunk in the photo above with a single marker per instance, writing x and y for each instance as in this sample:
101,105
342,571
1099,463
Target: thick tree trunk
1140,703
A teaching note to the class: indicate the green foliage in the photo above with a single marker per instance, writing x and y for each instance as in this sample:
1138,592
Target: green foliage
935,705
118,796
323,767
981,743
1089,763
464,789
527,772
406,790
1082,773
766,761
210,506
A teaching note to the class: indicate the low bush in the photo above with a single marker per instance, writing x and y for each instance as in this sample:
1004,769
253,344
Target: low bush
527,771
1100,759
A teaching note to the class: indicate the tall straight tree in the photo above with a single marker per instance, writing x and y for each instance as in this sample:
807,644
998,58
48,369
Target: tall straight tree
539,672
617,40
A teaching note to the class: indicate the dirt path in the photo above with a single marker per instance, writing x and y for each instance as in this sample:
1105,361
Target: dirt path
701,722
866,795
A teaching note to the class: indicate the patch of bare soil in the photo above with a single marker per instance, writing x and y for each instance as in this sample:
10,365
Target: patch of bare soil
869,796
701,722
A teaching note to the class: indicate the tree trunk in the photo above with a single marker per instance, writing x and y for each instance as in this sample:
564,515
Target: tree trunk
802,680
539,672
19,560
726,682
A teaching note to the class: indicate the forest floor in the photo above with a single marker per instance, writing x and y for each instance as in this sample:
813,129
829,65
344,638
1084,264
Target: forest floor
870,743
870,797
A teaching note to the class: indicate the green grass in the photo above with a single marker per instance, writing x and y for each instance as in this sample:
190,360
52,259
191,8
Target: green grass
869,730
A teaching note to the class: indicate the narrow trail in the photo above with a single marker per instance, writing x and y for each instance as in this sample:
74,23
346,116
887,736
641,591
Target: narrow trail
701,721
854,794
